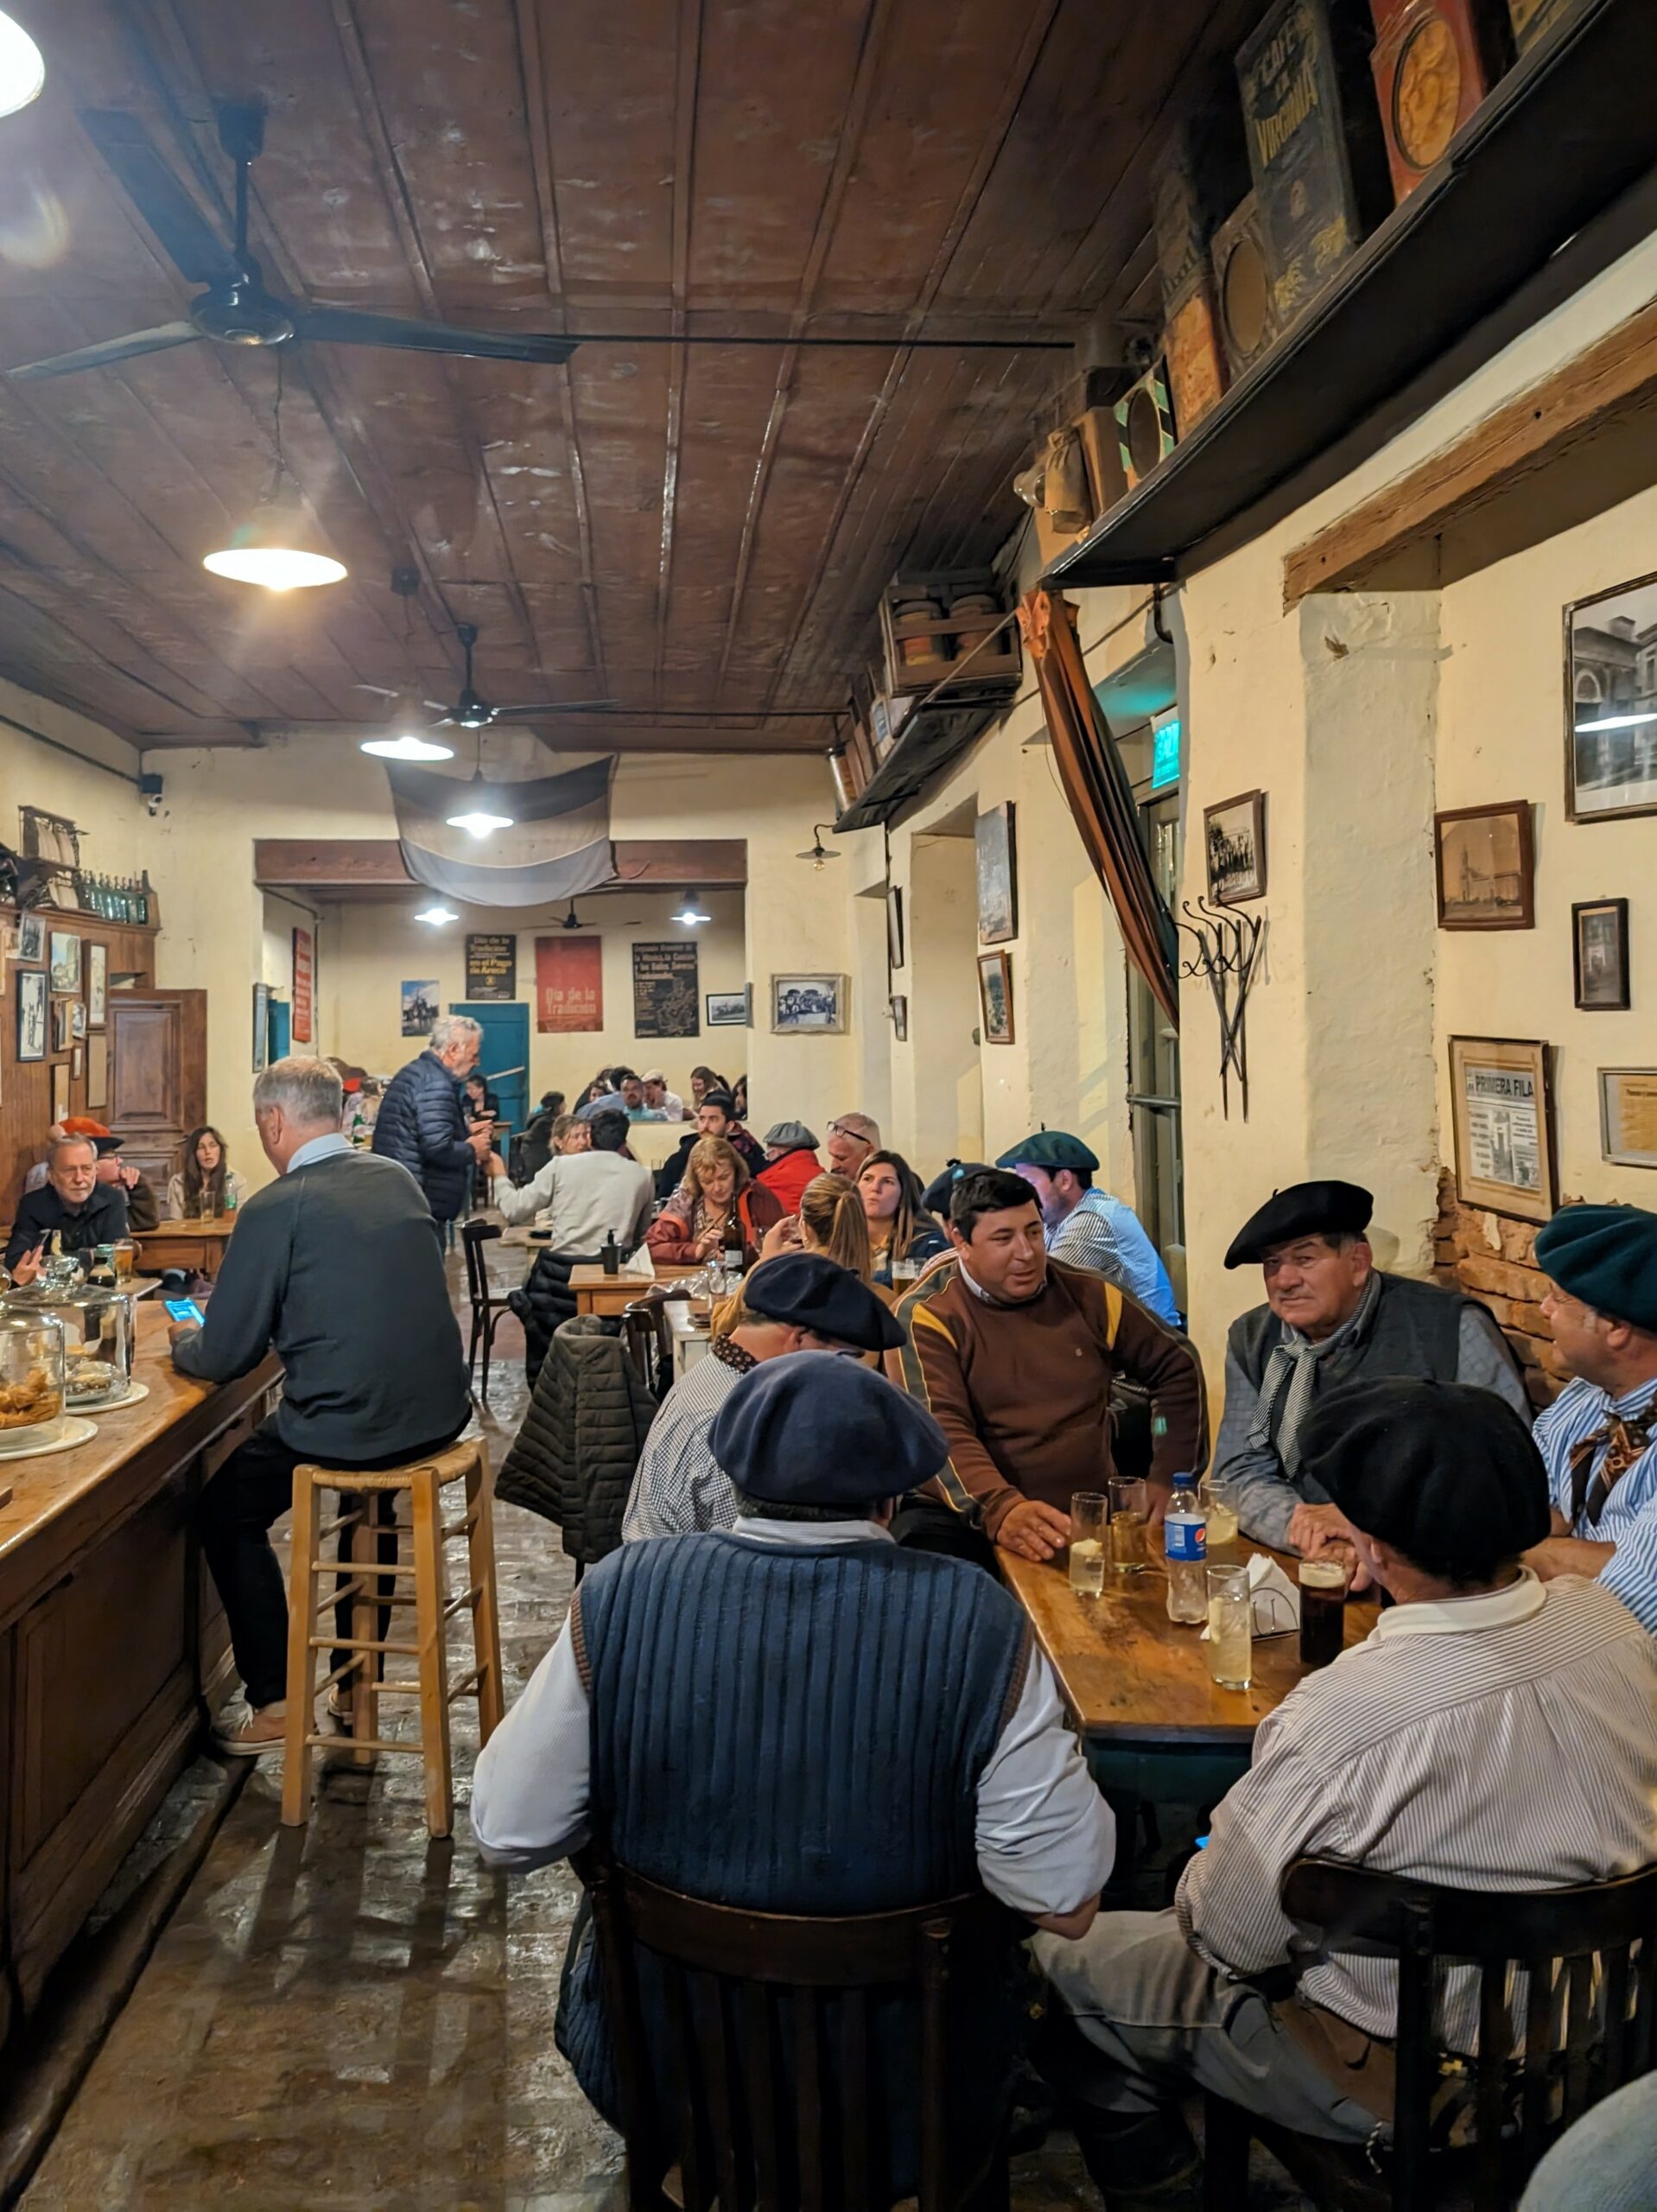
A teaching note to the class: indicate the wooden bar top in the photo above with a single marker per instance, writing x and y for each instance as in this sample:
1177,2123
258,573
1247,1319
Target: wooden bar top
1131,1676
214,1226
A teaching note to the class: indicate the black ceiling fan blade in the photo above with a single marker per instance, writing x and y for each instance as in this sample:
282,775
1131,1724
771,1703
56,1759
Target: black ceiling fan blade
352,327
194,248
550,707
109,351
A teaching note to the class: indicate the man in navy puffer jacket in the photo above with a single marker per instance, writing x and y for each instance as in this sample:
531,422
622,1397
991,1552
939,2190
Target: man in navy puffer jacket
422,1124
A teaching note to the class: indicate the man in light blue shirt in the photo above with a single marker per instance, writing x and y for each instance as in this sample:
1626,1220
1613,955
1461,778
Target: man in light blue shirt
1089,1228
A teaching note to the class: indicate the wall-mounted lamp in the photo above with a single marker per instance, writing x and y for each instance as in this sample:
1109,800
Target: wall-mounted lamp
819,852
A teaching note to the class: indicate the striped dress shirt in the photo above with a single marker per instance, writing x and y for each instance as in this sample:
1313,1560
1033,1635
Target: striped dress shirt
1628,1517
1501,1742
1103,1234
679,1486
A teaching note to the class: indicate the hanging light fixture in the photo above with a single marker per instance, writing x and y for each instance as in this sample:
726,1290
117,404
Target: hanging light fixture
22,71
689,915
404,738
481,812
277,546
819,852
437,914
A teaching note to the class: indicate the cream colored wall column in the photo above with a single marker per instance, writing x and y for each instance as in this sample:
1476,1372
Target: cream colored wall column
937,1102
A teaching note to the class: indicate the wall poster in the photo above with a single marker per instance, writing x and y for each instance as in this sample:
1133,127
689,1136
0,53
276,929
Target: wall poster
1503,1124
304,981
667,1001
420,1005
568,984
492,965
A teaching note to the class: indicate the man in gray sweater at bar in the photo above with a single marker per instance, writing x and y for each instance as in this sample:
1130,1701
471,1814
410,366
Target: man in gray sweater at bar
337,1266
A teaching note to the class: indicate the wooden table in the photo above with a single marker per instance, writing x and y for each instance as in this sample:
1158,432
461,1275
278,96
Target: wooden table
598,1293
111,1644
1156,1727
197,1245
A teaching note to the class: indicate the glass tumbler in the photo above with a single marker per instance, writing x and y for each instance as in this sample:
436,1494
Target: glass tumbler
1130,1515
1222,1518
1089,1509
1230,1638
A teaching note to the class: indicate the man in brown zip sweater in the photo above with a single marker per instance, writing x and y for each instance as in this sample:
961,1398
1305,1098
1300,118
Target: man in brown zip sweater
1013,1354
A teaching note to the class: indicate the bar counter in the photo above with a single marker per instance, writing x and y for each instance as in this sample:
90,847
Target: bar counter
112,1643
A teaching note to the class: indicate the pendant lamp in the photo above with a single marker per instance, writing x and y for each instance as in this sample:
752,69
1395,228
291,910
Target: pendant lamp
689,915
23,72
277,546
480,812
406,736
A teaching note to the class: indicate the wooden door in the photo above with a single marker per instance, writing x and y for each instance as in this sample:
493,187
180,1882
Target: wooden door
158,1075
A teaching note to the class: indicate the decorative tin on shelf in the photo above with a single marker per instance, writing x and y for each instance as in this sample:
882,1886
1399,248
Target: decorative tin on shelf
937,625
1534,19
1145,425
1435,61
1197,364
1200,172
1315,144
1242,286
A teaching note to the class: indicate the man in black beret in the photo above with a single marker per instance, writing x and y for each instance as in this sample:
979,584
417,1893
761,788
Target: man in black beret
1493,1731
1599,1437
799,1301
1330,1317
794,1716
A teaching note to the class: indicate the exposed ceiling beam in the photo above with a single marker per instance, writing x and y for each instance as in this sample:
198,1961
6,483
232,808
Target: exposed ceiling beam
321,865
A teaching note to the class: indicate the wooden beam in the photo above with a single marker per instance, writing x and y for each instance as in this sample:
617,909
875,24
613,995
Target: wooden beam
1607,394
321,865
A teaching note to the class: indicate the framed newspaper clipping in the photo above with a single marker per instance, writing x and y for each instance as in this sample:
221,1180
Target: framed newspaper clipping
1502,1113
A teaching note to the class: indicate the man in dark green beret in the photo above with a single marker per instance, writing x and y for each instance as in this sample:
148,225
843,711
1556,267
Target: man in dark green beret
1087,1228
1599,1437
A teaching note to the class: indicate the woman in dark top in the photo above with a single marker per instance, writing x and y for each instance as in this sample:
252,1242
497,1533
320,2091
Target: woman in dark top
900,1229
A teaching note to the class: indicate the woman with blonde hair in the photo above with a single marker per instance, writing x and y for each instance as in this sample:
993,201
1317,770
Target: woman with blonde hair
715,1196
832,1222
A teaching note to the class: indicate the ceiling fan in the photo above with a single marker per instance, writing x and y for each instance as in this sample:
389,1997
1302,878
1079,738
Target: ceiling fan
572,921
237,308
469,711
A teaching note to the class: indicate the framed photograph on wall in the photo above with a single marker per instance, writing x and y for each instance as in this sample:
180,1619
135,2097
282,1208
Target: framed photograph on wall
809,1005
996,847
98,985
77,1018
996,996
1485,866
1234,845
62,1029
1611,703
65,963
77,1062
60,1091
1628,1117
31,936
32,1003
419,1005
897,1007
1599,948
1502,1113
729,1009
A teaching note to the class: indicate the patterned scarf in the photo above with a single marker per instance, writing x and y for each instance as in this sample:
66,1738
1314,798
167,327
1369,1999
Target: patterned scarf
726,1349
1624,1438
1291,1374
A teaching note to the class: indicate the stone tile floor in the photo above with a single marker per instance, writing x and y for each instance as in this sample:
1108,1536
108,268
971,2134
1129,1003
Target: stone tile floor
349,2015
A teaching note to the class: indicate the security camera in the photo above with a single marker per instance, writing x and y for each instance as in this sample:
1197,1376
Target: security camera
150,790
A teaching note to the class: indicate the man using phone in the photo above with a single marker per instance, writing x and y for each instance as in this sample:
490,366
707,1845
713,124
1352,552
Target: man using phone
83,1211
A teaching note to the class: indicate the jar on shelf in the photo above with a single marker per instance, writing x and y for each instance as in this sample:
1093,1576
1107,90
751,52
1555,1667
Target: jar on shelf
909,620
31,1381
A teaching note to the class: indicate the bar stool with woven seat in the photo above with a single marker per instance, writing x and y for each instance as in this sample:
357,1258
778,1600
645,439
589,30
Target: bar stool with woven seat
373,1585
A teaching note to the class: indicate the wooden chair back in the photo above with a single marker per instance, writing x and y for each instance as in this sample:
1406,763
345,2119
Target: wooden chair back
648,1341
773,2119
475,1235
1589,1954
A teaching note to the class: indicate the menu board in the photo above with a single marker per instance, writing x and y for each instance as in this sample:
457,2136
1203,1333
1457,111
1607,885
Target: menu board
666,991
568,984
492,964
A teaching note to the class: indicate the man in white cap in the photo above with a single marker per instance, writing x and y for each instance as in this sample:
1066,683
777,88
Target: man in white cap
662,1104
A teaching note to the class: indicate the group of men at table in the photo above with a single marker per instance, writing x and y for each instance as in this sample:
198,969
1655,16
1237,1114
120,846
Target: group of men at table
1495,1729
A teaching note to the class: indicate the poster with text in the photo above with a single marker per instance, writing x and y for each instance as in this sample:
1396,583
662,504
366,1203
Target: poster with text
492,965
568,984
667,991
304,978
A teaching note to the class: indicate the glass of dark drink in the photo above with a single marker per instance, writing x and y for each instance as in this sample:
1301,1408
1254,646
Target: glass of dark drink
1323,1611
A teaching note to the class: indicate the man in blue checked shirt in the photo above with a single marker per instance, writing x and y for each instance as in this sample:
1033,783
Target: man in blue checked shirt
1599,1439
1089,1228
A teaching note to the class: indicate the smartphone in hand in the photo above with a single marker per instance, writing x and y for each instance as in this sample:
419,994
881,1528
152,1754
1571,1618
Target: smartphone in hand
184,1311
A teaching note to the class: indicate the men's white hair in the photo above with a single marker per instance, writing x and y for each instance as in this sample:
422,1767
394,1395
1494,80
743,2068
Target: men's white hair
450,1028
59,1146
307,1091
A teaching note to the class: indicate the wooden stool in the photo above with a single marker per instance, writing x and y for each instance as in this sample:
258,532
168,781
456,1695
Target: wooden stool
425,1480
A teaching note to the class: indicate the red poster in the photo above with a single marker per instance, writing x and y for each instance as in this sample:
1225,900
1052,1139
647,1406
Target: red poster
303,976
568,983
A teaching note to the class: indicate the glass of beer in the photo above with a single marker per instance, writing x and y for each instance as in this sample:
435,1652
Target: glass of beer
1087,1511
1323,1611
1125,1531
1230,1638
1222,1516
125,1256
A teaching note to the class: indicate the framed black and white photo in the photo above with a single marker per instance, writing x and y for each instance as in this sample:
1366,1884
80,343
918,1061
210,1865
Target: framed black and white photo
895,926
897,1007
63,1024
995,997
60,1091
1628,1117
809,1005
77,1018
31,936
32,1003
1599,945
998,875
1501,1109
1233,844
1611,703
727,1009
65,963
98,985
1486,867
77,1060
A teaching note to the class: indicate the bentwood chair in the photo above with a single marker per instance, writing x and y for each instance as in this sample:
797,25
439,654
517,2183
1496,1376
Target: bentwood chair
779,2102
648,1340
1467,2132
488,1305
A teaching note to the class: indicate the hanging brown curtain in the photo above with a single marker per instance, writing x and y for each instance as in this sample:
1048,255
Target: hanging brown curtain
1100,797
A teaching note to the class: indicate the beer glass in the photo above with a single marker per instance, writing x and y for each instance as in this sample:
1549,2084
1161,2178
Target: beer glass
1129,1515
1323,1611
126,1259
1087,1512
1230,1638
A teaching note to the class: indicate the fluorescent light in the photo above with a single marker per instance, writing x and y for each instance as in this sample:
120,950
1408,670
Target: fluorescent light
406,748
1616,722
23,72
437,914
479,822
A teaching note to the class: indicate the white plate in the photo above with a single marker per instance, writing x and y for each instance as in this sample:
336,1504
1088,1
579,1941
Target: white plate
75,1431
135,1391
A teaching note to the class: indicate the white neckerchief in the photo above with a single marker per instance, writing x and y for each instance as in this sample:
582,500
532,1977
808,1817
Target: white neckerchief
1515,1601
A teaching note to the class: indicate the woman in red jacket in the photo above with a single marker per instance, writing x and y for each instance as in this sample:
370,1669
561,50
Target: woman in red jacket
716,1191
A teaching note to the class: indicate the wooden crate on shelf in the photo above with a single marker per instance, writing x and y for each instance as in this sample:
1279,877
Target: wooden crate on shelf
921,651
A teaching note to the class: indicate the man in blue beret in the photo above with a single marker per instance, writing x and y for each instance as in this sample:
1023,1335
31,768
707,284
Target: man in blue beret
797,1716
1599,1437
1087,1227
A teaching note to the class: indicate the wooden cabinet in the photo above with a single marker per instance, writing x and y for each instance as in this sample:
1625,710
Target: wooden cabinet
158,1075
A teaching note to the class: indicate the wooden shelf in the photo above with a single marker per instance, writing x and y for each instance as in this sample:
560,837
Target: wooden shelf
930,739
1569,128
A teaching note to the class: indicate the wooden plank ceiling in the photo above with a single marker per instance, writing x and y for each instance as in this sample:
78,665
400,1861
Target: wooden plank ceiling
697,532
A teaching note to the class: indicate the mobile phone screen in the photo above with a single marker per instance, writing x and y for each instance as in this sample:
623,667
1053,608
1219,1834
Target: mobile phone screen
184,1309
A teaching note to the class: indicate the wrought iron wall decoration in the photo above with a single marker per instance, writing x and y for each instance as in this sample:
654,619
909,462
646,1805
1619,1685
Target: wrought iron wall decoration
1227,945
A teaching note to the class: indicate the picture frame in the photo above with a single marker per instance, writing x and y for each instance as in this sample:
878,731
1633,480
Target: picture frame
809,1006
1599,955
894,925
1484,867
995,846
729,1009
897,1007
261,1027
1628,1117
419,1004
31,938
1611,703
1234,848
995,997
32,1003
77,1018
1501,1111
60,1091
65,963
98,985
77,1063
62,1032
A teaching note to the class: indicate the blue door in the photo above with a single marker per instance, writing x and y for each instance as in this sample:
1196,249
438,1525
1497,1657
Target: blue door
278,1023
504,1057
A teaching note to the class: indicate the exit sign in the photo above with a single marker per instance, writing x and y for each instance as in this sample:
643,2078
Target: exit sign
1165,758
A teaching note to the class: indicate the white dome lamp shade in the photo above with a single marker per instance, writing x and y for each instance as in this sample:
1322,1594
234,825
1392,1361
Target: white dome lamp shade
408,734
480,810
690,915
276,547
22,70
